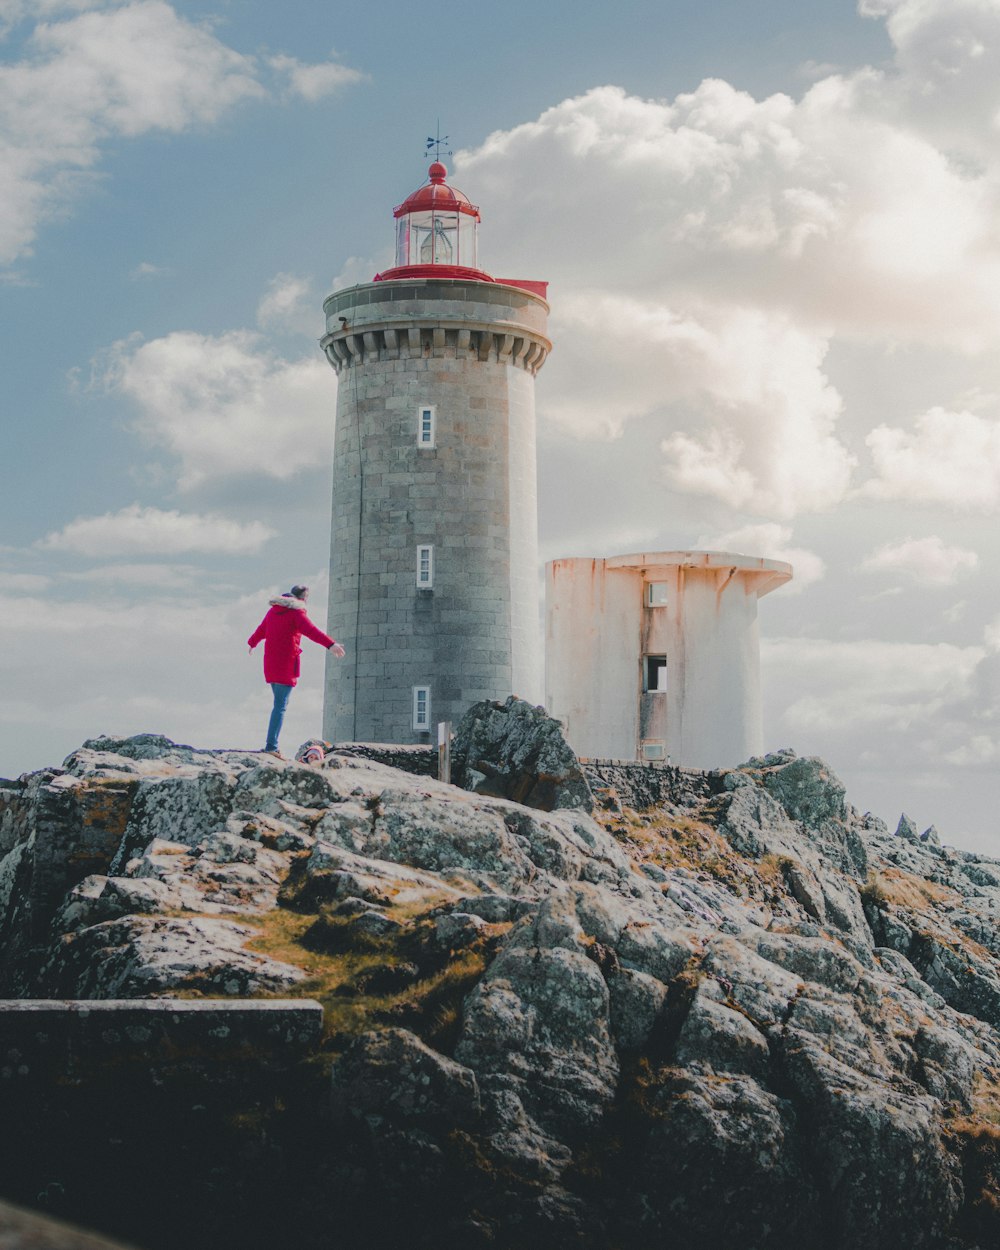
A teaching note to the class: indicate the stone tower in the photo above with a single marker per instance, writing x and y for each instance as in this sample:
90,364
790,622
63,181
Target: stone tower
656,656
434,544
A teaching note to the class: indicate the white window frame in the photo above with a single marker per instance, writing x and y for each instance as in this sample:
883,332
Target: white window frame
422,708
657,594
425,566
429,442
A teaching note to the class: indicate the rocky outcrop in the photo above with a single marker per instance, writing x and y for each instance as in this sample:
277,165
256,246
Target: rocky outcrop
516,751
744,1015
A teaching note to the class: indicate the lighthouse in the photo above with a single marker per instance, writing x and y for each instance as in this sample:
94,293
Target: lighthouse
434,536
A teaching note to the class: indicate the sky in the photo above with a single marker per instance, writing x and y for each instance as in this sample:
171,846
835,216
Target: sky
772,238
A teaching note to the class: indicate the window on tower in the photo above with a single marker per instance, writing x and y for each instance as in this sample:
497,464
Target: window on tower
425,566
425,426
654,674
422,708
656,594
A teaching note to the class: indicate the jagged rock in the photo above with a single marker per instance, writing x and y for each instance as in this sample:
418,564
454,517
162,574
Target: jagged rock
635,1004
907,829
721,1166
385,978
722,1039
516,751
375,924
746,1016
107,898
808,790
140,956
367,1082
457,929
493,908
331,873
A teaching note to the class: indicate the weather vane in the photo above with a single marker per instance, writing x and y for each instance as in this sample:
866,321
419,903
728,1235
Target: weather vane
436,142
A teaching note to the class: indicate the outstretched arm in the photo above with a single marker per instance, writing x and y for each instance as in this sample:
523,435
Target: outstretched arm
315,633
257,635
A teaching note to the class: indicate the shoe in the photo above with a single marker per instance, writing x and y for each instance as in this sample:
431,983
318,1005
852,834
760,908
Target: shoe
277,754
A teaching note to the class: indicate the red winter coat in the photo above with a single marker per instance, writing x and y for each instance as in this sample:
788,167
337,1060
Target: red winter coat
281,631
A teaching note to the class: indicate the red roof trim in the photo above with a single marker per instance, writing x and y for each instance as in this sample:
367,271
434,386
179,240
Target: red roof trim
433,271
527,284
436,198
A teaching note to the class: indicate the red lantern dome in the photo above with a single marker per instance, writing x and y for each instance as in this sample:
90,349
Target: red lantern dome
436,233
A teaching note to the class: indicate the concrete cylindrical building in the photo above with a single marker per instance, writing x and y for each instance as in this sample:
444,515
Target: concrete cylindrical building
434,544
656,656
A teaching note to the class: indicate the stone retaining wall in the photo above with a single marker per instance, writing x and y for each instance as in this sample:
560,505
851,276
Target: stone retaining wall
72,1037
634,783
165,1122
629,783
420,760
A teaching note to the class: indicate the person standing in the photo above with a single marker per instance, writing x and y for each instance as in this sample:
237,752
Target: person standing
281,631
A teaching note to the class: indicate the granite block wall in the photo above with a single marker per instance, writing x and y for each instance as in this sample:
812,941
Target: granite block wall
469,350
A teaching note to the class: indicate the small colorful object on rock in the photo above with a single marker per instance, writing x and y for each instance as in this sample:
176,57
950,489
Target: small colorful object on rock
314,751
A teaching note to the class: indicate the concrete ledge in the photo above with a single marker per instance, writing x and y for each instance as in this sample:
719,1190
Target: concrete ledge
75,1036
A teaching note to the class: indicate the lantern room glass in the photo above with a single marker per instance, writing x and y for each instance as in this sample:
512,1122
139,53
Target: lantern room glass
433,237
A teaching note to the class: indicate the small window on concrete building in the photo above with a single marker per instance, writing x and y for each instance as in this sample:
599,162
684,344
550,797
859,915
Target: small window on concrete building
654,751
425,567
656,594
655,674
425,427
422,708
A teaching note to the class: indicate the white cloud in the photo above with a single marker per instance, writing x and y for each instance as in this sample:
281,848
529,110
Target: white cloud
289,303
29,582
705,251
314,82
773,542
948,56
148,531
358,269
14,11
949,458
979,751
146,269
163,576
927,561
844,219
903,724
749,383
106,74
871,703
956,612
227,405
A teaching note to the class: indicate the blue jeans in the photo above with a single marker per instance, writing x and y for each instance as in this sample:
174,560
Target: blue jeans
281,694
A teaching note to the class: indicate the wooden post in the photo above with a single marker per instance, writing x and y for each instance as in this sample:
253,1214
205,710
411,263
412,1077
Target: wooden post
444,750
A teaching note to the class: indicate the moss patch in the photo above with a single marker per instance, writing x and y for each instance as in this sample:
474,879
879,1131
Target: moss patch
894,885
976,1139
684,841
345,970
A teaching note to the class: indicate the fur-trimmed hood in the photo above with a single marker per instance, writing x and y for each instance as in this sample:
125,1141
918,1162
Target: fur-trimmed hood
288,601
